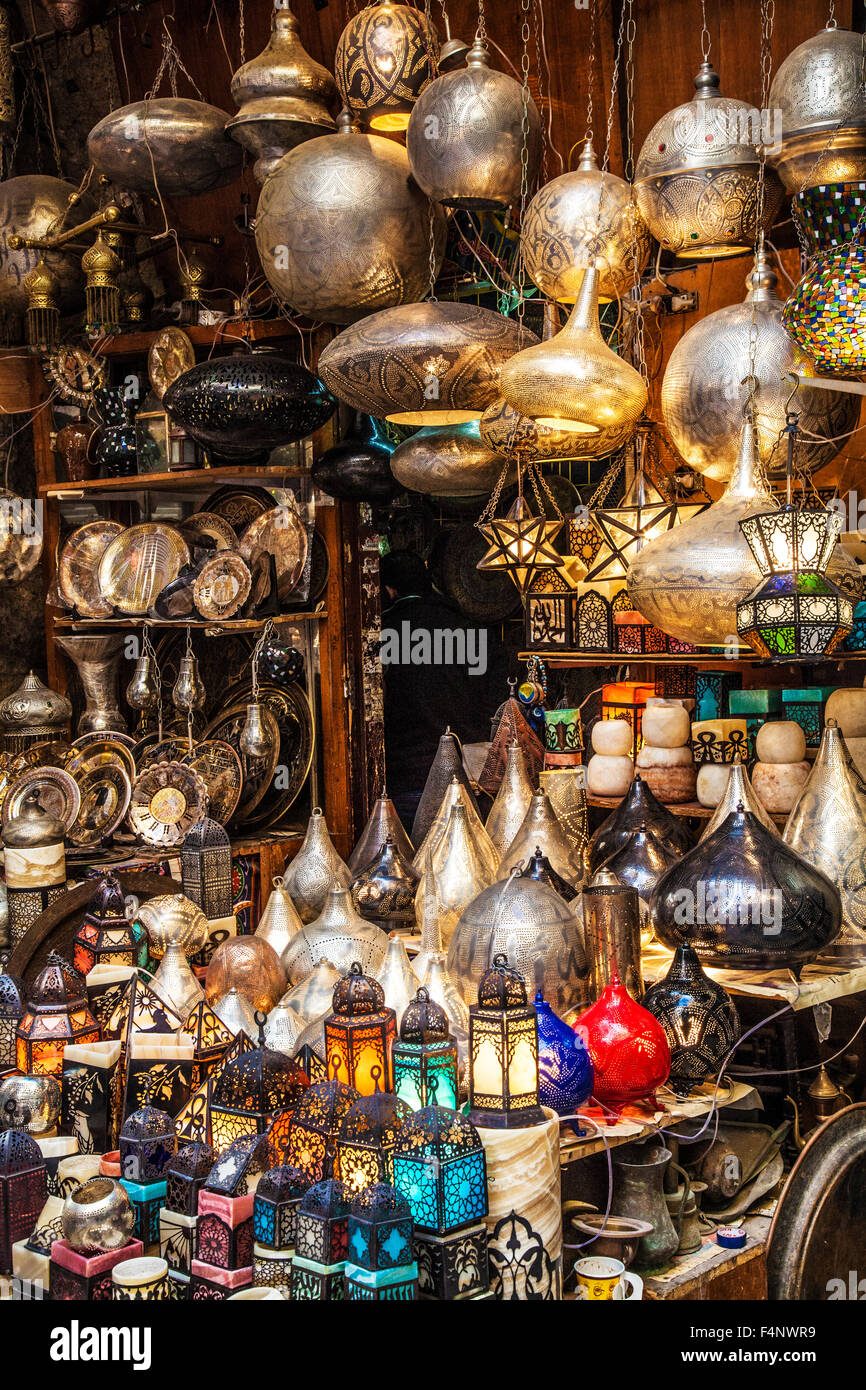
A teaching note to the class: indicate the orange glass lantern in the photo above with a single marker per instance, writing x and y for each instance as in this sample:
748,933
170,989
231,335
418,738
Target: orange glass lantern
360,1033
56,1014
255,1094
627,700
107,936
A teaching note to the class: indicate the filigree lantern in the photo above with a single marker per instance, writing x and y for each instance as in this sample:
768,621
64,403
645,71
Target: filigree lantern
380,1264
254,1094
385,55
520,543
316,1122
206,869
367,1137
56,1014
360,1033
278,1194
23,1190
503,1052
107,936
321,1243
185,1175
439,1166
148,1142
425,1058
12,1007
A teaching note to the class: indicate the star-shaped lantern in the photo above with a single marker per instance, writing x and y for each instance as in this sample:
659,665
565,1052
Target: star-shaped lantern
520,543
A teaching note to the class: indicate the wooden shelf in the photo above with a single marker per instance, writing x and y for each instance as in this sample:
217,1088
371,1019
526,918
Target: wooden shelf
228,334
184,480
685,808
212,626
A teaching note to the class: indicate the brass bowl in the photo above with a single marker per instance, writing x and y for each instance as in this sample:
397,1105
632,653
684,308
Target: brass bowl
98,1216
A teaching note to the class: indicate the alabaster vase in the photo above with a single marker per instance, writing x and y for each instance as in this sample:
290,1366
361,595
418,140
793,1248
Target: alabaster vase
512,800
638,807
699,1018
745,899
827,826
314,869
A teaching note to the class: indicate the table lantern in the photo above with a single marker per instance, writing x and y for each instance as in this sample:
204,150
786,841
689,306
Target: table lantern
211,1040
185,1174
56,1014
425,1058
12,1006
107,936
206,869
630,1053
278,1195
360,1033
316,1121
381,1263
23,1190
147,1144
255,1093
321,1243
503,1052
34,862
367,1137
310,1050
440,1168
239,1163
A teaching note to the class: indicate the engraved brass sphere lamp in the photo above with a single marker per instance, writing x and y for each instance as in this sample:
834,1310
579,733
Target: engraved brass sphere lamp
385,55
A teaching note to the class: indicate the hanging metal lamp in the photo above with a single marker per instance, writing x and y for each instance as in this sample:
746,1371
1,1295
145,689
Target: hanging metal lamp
447,461
697,176
385,55
466,140
522,542
819,102
583,218
826,312
574,381
172,146
283,96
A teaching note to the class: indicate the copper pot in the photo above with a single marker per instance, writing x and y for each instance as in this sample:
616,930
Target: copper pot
73,445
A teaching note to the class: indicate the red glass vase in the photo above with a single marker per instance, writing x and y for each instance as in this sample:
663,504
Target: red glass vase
628,1047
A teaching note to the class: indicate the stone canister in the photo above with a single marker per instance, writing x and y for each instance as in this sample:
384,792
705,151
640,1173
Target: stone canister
524,1220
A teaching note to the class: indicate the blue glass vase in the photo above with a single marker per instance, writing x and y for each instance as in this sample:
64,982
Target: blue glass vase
565,1072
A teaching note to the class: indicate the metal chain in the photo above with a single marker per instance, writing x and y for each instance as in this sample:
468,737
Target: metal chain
242,31
639,344
768,9
524,191
614,81
481,31
831,15
543,102
431,239
492,502
590,71
705,33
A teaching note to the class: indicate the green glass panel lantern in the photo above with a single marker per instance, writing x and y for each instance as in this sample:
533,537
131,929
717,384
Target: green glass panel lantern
425,1058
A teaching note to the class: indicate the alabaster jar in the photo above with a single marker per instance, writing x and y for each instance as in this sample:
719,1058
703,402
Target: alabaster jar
778,785
670,773
612,738
780,741
665,724
711,783
848,707
607,775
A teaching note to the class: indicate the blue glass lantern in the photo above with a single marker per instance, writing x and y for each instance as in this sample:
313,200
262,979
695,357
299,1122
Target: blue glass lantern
565,1072
425,1058
380,1228
278,1194
439,1167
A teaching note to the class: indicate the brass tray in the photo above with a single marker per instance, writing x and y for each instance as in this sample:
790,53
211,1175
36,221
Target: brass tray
78,570
279,532
165,750
211,526
291,709
139,564
106,792
55,753
167,801
222,585
239,505
219,766
59,794
103,751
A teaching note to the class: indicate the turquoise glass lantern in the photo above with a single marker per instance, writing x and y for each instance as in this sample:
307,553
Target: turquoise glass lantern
380,1228
425,1058
439,1167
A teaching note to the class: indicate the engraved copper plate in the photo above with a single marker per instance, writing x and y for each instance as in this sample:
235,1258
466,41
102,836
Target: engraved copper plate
222,585
281,533
219,767
105,796
139,564
53,754
78,571
171,354
167,801
210,526
58,794
100,752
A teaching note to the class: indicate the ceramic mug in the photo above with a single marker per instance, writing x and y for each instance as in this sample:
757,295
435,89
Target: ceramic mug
601,1278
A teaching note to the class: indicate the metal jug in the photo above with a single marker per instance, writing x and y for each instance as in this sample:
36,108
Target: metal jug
638,1191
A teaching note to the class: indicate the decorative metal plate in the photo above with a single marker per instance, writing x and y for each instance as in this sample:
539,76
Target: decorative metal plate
112,736
78,571
58,794
819,1228
222,586
213,527
166,750
99,752
105,796
239,505
171,354
167,801
281,533
219,767
139,564
258,772
53,754
291,709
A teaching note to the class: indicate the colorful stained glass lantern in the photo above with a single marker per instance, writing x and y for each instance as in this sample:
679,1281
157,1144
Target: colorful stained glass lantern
12,1007
255,1094
56,1014
365,1144
206,869
439,1167
107,936
503,1052
278,1195
185,1176
380,1262
23,1191
316,1121
826,312
234,1169
360,1034
425,1058
147,1144
635,636
322,1224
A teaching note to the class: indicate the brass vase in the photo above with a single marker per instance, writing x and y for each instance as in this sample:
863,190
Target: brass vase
315,869
97,661
455,876
457,793
611,933
827,826
397,977
738,792
340,935
512,800
541,829
382,824
447,764
280,919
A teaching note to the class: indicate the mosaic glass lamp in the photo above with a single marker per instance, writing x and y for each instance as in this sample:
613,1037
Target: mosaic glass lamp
503,1052
425,1058
56,1014
826,313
